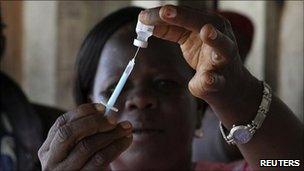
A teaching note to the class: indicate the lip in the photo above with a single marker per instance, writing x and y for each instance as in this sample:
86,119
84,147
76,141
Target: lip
146,135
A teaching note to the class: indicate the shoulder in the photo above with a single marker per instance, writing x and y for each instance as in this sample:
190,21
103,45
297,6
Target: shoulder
240,165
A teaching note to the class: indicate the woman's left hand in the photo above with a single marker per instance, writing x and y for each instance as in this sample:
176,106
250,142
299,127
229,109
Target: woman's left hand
208,45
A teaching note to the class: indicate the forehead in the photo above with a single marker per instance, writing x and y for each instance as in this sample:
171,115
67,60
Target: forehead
160,55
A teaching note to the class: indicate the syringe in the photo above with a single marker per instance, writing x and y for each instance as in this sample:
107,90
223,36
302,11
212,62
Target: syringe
122,81
143,33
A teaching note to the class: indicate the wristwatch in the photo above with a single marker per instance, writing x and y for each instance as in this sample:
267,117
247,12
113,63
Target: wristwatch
242,134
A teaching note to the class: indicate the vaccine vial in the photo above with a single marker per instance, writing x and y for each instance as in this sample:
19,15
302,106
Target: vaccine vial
143,33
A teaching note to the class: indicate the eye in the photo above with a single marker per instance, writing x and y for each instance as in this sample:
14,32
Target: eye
167,85
105,94
111,89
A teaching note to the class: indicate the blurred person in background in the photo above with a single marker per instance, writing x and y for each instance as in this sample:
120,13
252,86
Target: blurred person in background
23,125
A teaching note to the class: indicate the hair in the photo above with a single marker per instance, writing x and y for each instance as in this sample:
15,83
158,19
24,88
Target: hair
88,56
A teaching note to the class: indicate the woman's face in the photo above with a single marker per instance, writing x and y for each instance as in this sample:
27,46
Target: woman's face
155,100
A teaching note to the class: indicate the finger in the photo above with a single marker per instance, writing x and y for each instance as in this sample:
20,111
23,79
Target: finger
204,83
223,48
187,18
209,60
151,17
81,111
84,110
61,120
69,134
104,157
172,33
90,145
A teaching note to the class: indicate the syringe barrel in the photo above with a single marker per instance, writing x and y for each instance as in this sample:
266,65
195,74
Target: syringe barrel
122,81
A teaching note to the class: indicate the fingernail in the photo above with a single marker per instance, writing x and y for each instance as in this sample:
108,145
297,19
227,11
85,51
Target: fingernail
170,12
125,125
215,57
213,34
112,119
99,107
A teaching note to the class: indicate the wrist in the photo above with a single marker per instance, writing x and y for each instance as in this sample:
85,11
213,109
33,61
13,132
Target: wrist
241,134
240,106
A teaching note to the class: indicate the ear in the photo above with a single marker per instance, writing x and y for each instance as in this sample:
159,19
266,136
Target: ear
201,107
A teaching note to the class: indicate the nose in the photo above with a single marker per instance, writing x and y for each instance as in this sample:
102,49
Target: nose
141,99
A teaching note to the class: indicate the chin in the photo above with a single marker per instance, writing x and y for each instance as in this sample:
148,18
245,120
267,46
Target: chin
142,158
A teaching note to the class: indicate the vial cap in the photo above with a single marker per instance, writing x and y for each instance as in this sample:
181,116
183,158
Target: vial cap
140,43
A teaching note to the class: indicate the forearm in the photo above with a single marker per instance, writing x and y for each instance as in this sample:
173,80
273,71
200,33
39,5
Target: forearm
280,137
281,134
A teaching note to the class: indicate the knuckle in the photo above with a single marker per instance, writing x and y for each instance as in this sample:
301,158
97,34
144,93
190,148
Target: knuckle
53,130
197,87
183,37
208,82
84,146
193,88
64,133
61,120
99,159
40,153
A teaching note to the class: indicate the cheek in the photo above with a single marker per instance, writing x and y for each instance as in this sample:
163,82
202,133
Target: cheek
94,96
181,112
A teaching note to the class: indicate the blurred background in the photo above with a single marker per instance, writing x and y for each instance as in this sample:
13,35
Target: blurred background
43,38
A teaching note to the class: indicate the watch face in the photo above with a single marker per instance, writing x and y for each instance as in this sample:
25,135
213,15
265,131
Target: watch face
241,134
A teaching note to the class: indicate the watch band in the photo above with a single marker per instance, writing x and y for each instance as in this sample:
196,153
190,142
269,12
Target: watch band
242,134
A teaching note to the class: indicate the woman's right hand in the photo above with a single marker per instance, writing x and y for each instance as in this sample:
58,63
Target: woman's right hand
84,139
